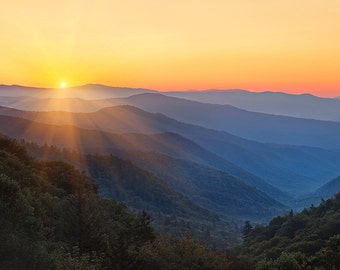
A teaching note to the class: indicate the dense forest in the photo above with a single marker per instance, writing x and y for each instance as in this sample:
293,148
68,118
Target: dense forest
52,217
140,189
307,240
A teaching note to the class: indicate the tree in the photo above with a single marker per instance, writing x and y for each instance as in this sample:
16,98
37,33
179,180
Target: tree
330,255
20,230
286,261
247,228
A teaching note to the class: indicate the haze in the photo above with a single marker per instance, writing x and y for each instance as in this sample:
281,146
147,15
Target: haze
290,46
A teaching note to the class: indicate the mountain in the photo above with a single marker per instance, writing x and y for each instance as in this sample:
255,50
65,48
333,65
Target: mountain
90,91
255,126
294,169
53,218
17,102
21,91
92,97
210,188
326,191
300,106
93,141
306,240
139,189
53,104
250,125
329,189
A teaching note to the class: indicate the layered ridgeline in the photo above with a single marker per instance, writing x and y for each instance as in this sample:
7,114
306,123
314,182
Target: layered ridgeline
307,240
53,218
90,91
329,189
300,106
99,96
211,189
257,126
294,169
93,141
171,211
187,171
250,125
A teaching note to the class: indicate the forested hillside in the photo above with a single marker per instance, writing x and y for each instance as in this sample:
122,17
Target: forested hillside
171,210
307,240
53,218
292,169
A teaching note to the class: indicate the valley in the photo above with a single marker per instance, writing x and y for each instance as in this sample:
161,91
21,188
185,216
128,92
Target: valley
193,167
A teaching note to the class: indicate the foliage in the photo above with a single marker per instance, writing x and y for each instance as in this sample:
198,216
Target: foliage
301,241
75,259
286,261
187,253
142,189
246,230
53,218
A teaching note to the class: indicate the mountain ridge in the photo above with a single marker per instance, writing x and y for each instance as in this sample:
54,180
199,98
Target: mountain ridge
256,126
87,141
304,105
273,163
329,189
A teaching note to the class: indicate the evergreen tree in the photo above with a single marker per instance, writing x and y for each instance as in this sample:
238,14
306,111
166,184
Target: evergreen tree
247,228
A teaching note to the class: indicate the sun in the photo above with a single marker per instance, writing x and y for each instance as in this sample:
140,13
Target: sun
63,84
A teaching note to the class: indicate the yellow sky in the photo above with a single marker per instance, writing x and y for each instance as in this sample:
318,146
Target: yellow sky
290,45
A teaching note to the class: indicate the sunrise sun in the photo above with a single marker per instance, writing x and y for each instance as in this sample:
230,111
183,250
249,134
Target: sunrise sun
63,84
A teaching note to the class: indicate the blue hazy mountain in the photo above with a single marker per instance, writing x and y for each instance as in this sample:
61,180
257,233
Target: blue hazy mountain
277,103
250,125
329,189
171,144
300,106
90,91
294,169
216,189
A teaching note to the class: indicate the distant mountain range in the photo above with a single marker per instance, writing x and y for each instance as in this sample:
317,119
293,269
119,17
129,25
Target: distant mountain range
329,189
250,125
234,197
240,160
286,167
90,91
299,106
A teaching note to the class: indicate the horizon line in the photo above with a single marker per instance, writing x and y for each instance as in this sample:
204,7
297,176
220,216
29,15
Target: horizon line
166,91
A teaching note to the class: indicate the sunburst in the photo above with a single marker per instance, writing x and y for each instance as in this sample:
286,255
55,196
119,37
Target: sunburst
63,84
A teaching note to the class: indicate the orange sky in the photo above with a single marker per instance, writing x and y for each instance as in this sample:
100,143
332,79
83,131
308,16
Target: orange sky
290,45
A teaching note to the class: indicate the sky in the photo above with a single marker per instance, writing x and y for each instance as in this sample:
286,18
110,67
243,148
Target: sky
259,45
